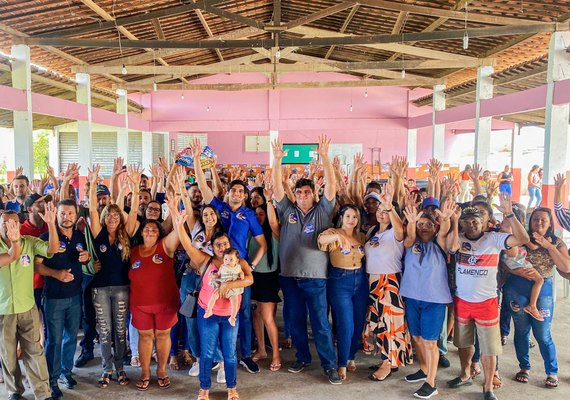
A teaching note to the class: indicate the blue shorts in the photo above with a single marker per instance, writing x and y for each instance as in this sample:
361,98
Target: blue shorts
425,319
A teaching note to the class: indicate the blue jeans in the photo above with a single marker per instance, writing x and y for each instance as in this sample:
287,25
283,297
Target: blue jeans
310,294
347,292
212,330
63,317
534,193
188,284
179,333
505,316
442,341
133,338
517,291
245,323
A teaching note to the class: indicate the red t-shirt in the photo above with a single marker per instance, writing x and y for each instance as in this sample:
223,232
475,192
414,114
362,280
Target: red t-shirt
153,281
28,229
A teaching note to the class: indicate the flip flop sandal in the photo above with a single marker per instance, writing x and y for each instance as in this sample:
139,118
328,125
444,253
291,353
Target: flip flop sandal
551,383
537,317
105,379
173,364
233,394
275,367
135,362
374,378
164,383
256,358
521,377
203,395
351,367
143,385
475,371
122,378
497,382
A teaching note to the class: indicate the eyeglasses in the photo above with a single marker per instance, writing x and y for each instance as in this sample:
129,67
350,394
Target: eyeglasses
153,209
222,245
113,216
428,225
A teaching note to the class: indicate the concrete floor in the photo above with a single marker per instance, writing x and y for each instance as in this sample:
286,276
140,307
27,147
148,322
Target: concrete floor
312,384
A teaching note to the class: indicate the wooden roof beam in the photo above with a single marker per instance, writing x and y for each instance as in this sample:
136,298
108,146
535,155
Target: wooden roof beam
158,29
345,24
450,14
287,85
320,14
208,30
276,12
313,64
345,40
133,19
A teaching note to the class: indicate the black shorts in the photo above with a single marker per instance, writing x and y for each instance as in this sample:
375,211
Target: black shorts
265,288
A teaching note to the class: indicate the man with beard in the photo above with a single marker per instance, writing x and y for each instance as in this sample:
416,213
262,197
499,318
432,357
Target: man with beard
303,265
62,304
475,302
19,317
240,222
19,186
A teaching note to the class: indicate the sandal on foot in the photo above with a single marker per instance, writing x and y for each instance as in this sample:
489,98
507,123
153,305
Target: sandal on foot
536,315
233,394
256,357
375,378
351,367
143,384
274,367
122,378
135,362
203,395
173,363
551,382
521,377
164,383
497,382
105,379
342,373
475,370
288,343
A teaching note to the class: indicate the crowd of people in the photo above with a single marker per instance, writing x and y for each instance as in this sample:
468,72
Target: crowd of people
189,272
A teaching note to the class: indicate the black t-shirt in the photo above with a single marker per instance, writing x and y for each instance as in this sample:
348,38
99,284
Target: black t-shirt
114,271
66,258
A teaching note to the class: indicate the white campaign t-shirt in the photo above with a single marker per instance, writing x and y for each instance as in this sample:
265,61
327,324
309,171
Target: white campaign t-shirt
477,265
384,253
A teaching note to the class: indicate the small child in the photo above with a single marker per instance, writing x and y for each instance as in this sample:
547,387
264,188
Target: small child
517,261
229,271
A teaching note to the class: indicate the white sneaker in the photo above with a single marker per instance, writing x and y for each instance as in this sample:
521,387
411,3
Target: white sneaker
221,378
195,370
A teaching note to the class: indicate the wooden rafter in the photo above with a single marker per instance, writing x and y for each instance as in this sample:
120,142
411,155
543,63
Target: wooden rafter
320,14
400,22
276,12
207,29
347,40
451,14
345,24
158,29
287,85
133,19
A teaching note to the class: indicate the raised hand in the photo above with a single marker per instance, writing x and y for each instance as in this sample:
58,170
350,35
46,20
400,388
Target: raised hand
155,170
50,215
491,188
412,214
447,210
324,143
134,173
411,199
72,171
268,186
118,166
196,149
387,195
13,230
475,172
278,152
164,165
179,218
559,181
319,182
505,204
93,174
180,179
19,171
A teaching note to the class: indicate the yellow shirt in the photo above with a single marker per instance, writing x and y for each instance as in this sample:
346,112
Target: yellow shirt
350,259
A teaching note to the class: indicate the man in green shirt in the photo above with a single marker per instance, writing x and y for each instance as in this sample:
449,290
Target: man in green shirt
19,317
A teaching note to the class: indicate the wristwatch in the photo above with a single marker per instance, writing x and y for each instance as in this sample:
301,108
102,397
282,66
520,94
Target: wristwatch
252,266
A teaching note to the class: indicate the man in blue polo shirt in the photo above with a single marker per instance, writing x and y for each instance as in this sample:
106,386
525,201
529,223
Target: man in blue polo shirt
240,222
19,186
62,304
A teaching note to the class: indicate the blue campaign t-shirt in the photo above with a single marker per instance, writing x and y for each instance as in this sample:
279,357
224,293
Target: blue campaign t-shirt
14,205
67,257
238,224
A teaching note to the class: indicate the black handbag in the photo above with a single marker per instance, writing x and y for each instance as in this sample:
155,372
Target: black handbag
190,305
